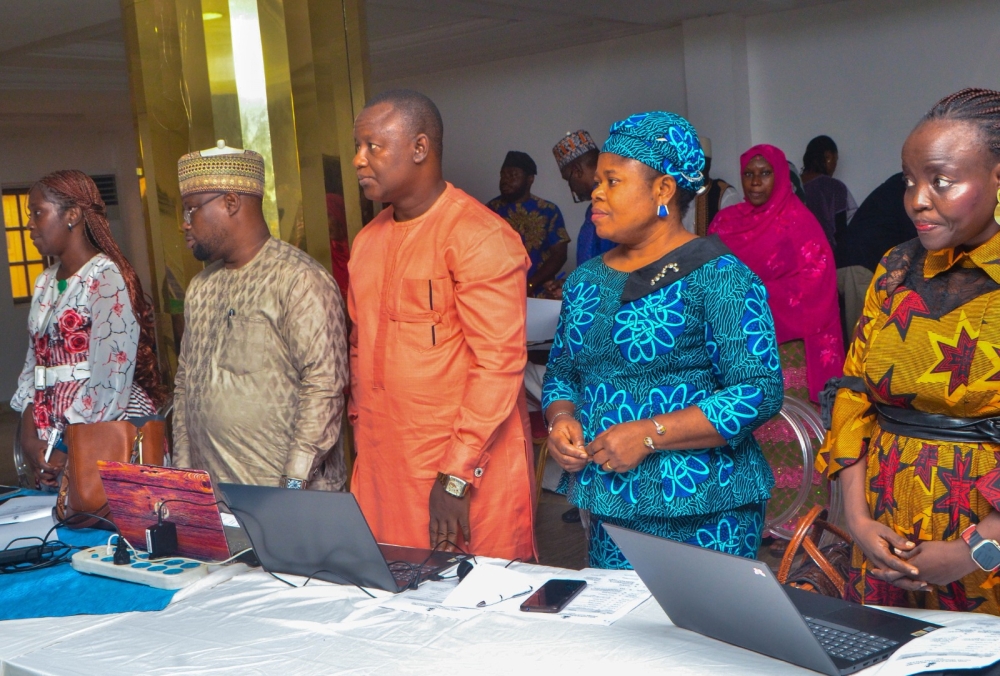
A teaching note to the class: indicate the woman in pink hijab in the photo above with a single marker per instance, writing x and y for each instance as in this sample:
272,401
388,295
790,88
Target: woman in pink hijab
778,238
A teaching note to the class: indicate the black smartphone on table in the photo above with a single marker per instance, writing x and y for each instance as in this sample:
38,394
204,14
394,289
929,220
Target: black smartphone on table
553,596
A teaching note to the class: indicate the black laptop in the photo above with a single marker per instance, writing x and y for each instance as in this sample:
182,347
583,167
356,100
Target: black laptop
739,601
324,535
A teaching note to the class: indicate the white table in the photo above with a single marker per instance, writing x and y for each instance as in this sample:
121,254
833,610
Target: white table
253,624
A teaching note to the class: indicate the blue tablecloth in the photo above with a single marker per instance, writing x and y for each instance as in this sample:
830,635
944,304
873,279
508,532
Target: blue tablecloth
60,591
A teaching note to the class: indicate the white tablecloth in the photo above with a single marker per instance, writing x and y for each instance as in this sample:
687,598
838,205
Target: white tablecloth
253,624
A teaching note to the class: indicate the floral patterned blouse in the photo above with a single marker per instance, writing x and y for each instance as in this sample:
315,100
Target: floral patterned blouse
91,321
706,340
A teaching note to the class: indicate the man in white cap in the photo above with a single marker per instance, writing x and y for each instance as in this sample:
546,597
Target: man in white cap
259,391
717,196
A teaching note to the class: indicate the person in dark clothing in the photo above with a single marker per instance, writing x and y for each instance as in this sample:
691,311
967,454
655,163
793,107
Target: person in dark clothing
879,224
827,197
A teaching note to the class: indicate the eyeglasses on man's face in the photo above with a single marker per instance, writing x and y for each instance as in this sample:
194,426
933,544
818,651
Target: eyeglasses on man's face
190,210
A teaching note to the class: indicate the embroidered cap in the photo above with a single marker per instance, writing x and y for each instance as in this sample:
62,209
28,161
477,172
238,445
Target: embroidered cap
221,169
572,146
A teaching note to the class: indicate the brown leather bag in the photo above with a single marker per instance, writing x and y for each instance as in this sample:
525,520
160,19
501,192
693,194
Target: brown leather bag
824,571
80,490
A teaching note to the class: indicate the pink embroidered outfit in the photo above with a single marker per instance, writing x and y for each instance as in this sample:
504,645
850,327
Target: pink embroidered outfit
784,244
82,350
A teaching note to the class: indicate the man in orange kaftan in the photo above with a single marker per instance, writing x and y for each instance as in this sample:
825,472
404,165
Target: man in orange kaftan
437,349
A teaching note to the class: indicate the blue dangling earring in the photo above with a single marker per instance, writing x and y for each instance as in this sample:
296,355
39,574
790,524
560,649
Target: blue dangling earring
662,211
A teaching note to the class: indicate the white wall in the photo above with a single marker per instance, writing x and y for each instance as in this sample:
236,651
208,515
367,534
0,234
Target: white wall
28,154
718,91
861,71
864,72
529,103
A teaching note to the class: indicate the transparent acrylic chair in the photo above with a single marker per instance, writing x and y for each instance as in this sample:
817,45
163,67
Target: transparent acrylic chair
790,441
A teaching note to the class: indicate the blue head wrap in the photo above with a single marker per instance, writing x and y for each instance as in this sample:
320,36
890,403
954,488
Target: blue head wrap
664,141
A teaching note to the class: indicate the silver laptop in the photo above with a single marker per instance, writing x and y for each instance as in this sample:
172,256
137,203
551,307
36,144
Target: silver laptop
739,601
323,534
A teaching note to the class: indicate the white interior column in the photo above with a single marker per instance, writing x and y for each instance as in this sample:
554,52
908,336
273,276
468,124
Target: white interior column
718,88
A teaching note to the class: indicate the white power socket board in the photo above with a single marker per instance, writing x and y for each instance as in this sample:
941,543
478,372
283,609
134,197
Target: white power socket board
167,573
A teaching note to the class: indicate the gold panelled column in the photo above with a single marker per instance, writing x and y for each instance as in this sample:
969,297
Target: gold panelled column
283,77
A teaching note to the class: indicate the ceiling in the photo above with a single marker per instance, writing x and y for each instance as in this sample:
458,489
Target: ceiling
77,45
409,37
61,44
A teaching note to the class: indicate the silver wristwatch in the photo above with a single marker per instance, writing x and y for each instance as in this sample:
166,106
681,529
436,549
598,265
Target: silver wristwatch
294,484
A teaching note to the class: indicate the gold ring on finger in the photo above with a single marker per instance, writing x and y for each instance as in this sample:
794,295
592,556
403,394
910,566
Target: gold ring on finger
608,466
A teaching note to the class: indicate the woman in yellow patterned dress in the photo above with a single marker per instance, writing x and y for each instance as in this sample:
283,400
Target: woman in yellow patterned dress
911,440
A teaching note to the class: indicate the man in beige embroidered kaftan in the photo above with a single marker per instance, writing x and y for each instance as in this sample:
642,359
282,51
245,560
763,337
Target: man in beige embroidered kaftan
258,396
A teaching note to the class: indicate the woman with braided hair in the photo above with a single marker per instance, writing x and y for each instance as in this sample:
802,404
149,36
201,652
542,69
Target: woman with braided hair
915,439
90,353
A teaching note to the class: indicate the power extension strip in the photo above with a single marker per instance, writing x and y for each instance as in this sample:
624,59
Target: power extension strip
170,573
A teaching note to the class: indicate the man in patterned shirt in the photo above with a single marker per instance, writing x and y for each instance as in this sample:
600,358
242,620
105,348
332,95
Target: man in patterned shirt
259,391
538,222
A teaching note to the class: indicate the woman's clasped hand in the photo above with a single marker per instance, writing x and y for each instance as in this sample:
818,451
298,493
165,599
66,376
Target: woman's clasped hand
566,444
619,448
908,565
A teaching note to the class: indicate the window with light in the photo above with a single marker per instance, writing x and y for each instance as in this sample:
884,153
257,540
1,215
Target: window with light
26,263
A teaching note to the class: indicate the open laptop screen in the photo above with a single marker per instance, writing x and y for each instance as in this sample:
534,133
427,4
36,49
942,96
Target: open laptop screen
184,496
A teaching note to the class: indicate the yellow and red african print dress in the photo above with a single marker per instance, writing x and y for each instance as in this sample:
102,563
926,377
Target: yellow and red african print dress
928,340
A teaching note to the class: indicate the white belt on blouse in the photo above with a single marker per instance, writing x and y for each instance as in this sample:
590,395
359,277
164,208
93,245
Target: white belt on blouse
47,377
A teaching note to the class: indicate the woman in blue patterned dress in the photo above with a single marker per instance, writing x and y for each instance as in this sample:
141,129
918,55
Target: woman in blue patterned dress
664,360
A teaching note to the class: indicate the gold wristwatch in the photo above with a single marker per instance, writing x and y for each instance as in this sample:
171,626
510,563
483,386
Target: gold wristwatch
453,485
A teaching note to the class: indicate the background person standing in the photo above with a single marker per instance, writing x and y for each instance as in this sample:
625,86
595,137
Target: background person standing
258,396
664,360
539,222
576,155
90,355
438,348
828,198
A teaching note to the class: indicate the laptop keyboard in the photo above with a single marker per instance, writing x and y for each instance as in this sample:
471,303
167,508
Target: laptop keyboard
845,643
404,573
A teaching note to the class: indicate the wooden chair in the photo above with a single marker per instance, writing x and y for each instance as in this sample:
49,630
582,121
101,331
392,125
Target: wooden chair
824,568
540,444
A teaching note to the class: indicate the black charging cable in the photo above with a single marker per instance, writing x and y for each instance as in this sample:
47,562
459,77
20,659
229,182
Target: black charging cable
46,554
161,539
416,570
64,551
465,567
162,504
234,511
